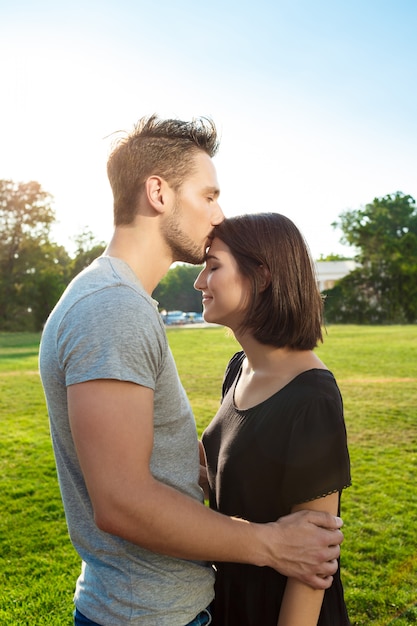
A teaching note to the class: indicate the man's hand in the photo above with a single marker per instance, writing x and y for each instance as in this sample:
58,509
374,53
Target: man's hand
306,545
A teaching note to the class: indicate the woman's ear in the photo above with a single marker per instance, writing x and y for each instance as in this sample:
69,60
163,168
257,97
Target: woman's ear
265,277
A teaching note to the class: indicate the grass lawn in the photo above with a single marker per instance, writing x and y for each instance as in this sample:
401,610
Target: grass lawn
376,368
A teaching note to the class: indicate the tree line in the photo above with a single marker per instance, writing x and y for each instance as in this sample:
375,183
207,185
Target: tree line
383,288
34,270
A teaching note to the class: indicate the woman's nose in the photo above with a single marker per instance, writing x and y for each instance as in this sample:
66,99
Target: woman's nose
198,283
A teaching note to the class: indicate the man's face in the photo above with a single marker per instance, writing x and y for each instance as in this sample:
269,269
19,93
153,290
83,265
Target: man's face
188,227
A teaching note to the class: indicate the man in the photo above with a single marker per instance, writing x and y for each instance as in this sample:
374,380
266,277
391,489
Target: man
123,432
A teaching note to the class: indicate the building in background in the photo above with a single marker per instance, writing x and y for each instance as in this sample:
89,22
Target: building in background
329,272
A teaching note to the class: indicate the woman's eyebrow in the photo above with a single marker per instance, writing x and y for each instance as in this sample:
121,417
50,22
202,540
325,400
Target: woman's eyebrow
209,257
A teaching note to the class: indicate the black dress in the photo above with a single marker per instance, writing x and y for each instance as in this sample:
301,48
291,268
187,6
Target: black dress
289,449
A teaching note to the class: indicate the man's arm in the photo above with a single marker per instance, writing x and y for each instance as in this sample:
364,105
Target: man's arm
114,455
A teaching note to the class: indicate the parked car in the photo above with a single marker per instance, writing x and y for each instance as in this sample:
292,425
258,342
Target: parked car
191,317
174,318
177,318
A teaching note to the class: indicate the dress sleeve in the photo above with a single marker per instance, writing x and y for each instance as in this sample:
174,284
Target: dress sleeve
317,461
232,371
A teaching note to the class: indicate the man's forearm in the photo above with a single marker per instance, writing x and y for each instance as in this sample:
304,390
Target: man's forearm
163,520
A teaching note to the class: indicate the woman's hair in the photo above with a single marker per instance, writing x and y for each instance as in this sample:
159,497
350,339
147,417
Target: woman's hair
155,147
286,307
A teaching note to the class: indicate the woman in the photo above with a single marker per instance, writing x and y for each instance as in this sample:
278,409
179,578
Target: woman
278,441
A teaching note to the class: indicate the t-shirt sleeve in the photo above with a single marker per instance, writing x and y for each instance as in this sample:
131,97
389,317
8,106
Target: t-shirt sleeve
111,334
317,461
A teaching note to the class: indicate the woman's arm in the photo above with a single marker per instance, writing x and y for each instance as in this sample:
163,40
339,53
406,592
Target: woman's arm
203,480
301,604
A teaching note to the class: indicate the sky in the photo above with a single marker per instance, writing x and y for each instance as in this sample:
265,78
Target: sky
315,100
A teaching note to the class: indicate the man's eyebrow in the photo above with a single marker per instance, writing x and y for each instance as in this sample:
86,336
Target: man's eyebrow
213,190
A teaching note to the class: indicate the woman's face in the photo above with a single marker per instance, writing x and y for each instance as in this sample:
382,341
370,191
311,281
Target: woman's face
225,290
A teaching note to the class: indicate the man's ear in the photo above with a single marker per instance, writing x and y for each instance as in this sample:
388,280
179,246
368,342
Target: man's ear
155,191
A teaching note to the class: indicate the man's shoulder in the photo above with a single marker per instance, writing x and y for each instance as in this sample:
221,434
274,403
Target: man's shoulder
105,294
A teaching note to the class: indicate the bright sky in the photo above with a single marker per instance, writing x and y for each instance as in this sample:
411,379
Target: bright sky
315,100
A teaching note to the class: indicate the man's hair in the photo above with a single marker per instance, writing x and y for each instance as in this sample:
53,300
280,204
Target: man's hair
155,147
286,307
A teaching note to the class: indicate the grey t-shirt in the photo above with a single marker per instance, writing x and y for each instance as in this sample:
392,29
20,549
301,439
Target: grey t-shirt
106,326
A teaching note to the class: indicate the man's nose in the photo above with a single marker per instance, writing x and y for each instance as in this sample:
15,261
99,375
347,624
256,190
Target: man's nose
218,216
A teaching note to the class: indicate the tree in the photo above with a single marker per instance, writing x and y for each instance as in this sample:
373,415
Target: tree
384,287
48,273
88,249
32,269
176,290
333,257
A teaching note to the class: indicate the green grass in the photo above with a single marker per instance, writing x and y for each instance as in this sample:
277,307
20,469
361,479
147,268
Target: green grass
376,368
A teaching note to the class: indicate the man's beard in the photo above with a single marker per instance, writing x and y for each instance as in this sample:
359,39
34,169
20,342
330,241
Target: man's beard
182,247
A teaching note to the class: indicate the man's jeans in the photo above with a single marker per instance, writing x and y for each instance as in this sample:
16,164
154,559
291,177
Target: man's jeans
202,619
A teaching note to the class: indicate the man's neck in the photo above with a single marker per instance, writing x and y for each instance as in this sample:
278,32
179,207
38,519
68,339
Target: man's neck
144,252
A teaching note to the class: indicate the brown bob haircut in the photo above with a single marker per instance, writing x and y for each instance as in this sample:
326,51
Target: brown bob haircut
286,307
155,147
